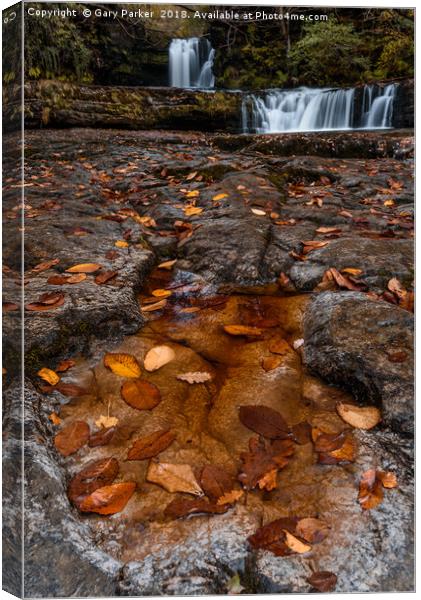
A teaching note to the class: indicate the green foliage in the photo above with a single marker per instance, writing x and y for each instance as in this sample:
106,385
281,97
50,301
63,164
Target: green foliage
329,53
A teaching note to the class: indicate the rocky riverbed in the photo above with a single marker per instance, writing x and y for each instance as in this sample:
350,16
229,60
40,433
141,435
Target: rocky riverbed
312,250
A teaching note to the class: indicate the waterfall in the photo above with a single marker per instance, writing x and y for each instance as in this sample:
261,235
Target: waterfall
312,109
191,62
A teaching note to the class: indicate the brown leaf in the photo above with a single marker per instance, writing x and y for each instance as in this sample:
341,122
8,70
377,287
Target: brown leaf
122,364
326,442
271,537
269,363
364,417
72,437
397,357
263,458
160,293
388,479
58,279
44,266
371,490
9,306
301,433
46,302
265,421
230,497
243,330
216,482
95,475
140,394
102,437
174,478
310,245
279,346
312,530
181,507
65,365
323,581
54,418
84,268
345,282
328,230
151,445
105,276
70,389
109,499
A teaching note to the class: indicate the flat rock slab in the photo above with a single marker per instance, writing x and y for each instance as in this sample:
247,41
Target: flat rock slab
352,339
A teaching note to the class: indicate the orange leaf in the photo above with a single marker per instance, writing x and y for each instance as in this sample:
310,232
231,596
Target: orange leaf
109,499
84,268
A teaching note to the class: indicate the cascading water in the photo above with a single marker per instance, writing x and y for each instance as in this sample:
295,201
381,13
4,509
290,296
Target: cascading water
306,109
191,62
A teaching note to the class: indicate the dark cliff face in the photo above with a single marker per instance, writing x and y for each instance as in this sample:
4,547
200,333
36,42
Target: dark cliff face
403,108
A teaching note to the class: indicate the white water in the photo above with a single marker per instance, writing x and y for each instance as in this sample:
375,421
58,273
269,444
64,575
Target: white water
191,62
307,109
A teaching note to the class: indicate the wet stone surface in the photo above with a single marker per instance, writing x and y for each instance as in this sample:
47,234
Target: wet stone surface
238,225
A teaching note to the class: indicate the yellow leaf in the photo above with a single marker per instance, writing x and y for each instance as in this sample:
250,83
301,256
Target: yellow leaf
104,421
49,376
389,203
190,211
193,194
54,418
295,544
122,364
84,268
351,271
161,293
121,244
219,197
168,264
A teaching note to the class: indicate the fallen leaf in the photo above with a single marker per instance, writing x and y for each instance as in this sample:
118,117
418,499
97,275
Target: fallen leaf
352,271
216,482
371,490
174,478
49,376
230,497
140,394
95,475
326,442
46,302
328,230
122,364
121,244
161,293
109,499
70,389
195,377
257,211
301,432
190,211
167,265
279,346
265,421
44,266
106,421
234,586
154,306
193,194
54,418
102,437
323,581
105,276
65,365
219,197
72,437
268,481
397,357
269,363
388,479
182,507
295,544
191,176
84,268
312,530
345,282
263,458
9,306
365,417
271,536
150,445
157,357
243,330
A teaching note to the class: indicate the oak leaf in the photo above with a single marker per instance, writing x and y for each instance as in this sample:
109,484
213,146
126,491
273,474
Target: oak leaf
371,490
263,458
230,497
140,394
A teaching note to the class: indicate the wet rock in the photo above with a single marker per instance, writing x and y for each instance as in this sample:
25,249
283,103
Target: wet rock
349,338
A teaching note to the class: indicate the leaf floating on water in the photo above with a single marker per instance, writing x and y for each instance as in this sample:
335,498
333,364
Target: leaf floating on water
365,417
195,377
182,507
157,357
151,445
312,530
49,376
105,421
140,394
265,421
72,437
243,330
323,581
109,499
102,437
174,478
167,265
84,268
122,364
295,544
95,475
